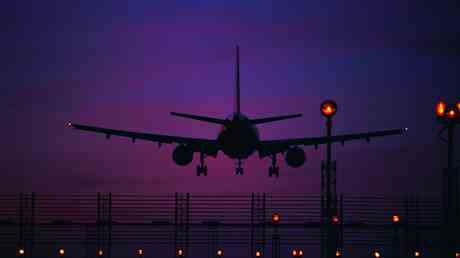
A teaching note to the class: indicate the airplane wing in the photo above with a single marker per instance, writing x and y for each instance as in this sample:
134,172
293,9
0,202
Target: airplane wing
207,146
270,147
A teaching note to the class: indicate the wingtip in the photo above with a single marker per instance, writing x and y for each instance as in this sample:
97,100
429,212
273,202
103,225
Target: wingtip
69,124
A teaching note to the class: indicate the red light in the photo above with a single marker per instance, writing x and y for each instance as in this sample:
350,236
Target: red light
294,253
276,218
338,253
417,254
377,254
458,106
300,253
451,113
220,252
61,252
440,108
335,219
21,252
180,252
258,254
328,108
140,252
395,219
100,252
457,255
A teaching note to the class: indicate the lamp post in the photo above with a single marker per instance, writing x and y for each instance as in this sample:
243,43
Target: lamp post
328,109
449,116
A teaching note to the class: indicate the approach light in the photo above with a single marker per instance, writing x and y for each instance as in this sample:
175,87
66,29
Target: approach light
377,254
21,252
451,113
300,253
294,253
417,253
140,252
100,252
61,252
258,253
338,253
440,109
328,108
220,252
457,255
275,218
395,218
335,219
180,252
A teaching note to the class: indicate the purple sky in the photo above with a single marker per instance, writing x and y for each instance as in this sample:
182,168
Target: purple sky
127,64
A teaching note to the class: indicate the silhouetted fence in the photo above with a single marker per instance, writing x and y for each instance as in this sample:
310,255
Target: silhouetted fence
195,225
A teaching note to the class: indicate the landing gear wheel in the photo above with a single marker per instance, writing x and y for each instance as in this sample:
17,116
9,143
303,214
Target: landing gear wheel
239,169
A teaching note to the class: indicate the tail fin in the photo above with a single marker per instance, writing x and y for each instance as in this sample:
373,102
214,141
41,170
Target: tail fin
237,80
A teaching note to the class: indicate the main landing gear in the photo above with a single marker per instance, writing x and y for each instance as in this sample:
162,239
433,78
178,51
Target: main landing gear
201,169
274,169
239,169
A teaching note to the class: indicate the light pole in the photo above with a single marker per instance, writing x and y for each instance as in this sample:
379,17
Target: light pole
449,116
328,109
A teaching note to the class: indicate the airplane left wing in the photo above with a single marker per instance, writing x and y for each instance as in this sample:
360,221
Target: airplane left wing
270,147
207,146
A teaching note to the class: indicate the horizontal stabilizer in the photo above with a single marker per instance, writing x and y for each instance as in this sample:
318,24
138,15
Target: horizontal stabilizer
201,118
273,118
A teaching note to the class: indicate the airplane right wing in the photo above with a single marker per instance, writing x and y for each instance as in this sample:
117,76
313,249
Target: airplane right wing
207,146
270,147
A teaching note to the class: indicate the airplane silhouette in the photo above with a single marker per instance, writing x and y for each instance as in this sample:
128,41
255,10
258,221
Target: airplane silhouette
238,138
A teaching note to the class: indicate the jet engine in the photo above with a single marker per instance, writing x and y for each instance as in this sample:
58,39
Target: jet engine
182,155
295,157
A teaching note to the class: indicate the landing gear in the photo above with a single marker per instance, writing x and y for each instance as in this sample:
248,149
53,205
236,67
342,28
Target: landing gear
201,169
239,169
274,169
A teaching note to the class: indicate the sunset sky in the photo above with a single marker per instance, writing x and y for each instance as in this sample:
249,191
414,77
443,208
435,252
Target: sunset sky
127,64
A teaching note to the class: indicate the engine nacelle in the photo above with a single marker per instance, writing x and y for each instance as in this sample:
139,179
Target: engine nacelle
295,157
182,155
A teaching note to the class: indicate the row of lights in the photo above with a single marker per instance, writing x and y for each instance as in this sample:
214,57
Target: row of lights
450,112
220,253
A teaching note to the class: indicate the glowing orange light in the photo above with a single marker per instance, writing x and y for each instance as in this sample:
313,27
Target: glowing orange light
335,219
338,253
294,253
457,255
458,106
300,253
451,113
258,254
140,252
275,217
220,252
376,254
440,108
395,219
328,108
100,252
21,252
417,254
61,252
180,252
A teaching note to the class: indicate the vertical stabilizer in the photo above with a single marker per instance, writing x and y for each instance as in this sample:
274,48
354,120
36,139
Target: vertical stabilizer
237,80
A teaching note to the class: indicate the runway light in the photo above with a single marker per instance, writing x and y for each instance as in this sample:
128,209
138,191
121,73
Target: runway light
440,109
21,252
180,252
335,219
61,252
458,106
377,254
275,218
395,218
451,113
457,255
294,253
100,252
220,252
417,253
258,253
328,108
140,252
338,253
300,253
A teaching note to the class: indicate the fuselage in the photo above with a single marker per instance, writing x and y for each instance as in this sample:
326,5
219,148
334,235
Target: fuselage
239,137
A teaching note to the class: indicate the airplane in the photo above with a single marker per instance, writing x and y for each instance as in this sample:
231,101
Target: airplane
238,138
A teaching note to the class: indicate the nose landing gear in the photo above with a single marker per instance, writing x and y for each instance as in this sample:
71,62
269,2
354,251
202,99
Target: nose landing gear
274,169
201,169
239,169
